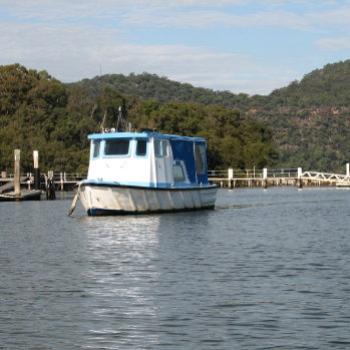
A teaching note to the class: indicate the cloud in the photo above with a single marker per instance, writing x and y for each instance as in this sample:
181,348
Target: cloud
103,9
334,44
205,18
72,39
186,13
71,53
275,14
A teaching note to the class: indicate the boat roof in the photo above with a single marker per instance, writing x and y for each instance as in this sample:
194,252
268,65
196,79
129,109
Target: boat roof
144,135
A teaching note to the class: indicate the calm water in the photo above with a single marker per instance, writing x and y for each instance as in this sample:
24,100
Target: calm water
265,270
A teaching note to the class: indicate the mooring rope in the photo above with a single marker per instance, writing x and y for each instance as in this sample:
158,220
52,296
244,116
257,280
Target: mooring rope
75,201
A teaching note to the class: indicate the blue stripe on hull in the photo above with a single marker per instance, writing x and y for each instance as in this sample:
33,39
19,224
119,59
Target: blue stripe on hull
159,187
110,212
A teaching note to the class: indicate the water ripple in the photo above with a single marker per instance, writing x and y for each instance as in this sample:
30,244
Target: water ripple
266,270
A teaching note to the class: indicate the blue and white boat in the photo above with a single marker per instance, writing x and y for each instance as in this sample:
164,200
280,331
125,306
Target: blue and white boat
144,172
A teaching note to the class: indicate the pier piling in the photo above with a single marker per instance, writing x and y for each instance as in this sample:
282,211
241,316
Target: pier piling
264,182
299,179
17,173
36,170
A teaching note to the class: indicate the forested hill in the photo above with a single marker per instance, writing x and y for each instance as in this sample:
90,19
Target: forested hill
304,124
151,86
329,86
39,112
309,119
326,87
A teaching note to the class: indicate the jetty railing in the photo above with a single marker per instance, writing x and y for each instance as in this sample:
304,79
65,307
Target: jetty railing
252,173
223,177
61,180
277,177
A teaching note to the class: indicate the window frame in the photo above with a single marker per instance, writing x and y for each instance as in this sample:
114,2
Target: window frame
94,143
164,148
120,155
200,158
147,148
179,165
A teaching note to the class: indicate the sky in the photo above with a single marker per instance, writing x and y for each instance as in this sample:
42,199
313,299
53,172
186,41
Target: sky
244,46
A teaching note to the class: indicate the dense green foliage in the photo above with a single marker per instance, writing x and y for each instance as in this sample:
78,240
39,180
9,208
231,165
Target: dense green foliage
304,124
150,86
39,112
309,119
36,113
232,141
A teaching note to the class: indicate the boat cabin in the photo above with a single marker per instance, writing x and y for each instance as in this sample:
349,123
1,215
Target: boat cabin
148,159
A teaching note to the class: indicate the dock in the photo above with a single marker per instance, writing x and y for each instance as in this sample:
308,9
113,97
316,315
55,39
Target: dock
225,178
62,181
232,178
23,196
12,191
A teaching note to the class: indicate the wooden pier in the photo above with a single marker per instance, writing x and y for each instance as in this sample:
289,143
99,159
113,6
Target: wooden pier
62,181
229,178
11,191
264,178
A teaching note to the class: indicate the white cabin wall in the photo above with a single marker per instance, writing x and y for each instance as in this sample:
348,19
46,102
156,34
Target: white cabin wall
130,169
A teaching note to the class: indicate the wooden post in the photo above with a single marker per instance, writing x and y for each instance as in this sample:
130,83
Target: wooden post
17,176
230,177
50,185
300,181
61,181
264,178
36,170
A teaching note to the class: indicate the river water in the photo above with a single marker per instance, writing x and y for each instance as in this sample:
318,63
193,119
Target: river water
268,269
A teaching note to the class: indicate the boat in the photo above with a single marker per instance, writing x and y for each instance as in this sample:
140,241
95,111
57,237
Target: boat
25,195
145,172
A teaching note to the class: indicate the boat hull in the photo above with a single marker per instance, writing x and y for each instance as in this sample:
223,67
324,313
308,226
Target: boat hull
117,199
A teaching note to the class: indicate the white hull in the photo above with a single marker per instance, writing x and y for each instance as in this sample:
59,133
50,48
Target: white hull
106,200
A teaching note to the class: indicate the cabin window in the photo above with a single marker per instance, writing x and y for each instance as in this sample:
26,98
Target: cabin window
200,155
96,149
141,147
118,147
178,172
160,148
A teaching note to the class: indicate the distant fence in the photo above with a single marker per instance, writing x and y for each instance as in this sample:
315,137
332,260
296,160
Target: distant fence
252,173
62,180
223,177
277,177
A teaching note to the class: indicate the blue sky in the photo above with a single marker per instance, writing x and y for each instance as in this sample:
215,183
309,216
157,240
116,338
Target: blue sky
245,46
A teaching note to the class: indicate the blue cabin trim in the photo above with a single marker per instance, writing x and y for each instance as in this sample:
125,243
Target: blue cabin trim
136,135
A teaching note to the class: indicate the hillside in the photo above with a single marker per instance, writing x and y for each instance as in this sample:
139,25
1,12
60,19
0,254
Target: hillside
326,87
304,124
309,119
39,112
150,86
